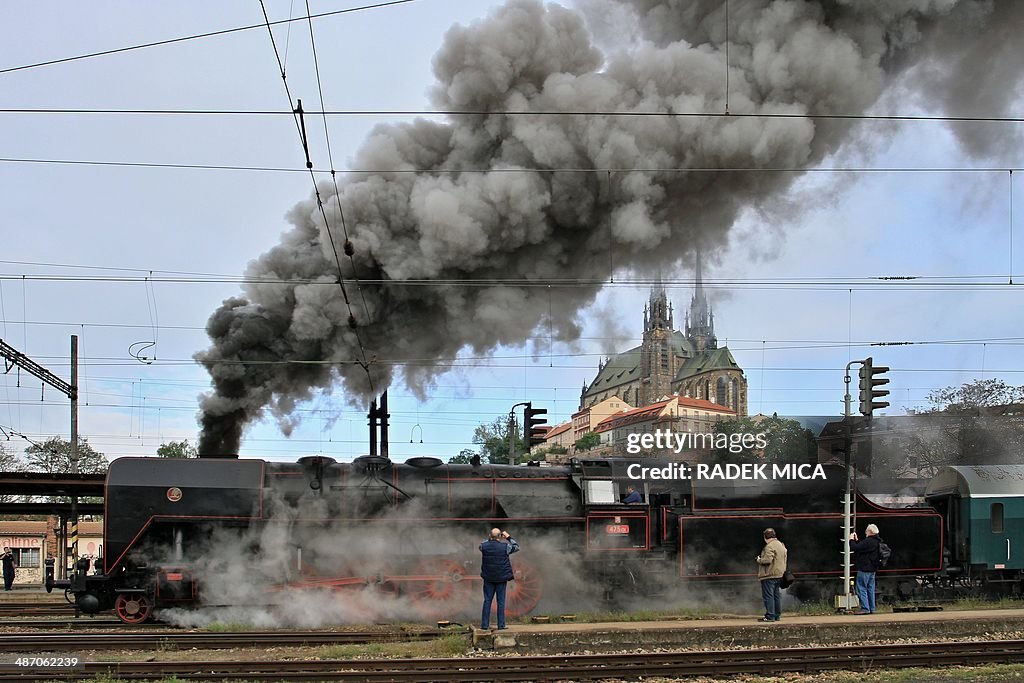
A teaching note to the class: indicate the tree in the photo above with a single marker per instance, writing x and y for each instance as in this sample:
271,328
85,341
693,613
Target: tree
463,458
9,461
493,440
588,441
969,397
492,443
54,456
976,423
786,441
177,449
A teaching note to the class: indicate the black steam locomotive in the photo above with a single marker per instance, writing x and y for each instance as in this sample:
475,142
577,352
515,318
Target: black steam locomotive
175,529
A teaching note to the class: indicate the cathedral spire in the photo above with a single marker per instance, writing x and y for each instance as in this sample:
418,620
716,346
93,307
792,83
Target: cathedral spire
658,312
700,327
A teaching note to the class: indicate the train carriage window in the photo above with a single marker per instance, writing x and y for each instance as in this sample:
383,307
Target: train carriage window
997,518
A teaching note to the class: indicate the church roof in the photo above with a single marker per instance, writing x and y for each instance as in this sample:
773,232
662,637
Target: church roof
624,367
718,359
620,369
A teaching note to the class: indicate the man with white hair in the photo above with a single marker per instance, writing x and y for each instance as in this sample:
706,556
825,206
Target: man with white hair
865,559
496,571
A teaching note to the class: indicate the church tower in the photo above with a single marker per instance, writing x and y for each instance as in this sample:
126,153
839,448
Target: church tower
657,363
700,321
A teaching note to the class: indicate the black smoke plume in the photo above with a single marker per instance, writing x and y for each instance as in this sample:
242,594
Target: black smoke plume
500,196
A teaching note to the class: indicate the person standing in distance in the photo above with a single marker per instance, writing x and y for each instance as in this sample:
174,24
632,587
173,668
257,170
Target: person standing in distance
8,562
496,571
771,565
865,554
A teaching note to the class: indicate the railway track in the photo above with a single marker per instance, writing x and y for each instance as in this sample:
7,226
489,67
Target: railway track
81,622
18,609
166,640
584,667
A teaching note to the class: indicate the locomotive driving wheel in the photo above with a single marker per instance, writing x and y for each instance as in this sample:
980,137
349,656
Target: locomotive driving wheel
439,588
522,594
133,608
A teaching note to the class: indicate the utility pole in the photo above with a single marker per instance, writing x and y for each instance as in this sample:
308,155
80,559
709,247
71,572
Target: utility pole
868,404
74,447
511,429
844,599
14,357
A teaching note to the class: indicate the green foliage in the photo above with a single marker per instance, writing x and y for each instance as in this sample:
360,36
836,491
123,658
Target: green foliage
9,461
493,440
588,441
54,456
463,458
177,449
968,397
787,440
492,444
976,423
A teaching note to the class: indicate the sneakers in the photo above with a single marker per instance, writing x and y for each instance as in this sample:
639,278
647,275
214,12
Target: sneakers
766,620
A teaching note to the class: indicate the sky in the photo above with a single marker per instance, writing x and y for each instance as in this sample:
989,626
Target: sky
134,259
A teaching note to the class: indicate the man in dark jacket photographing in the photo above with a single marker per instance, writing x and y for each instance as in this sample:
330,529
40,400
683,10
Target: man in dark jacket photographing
865,558
496,571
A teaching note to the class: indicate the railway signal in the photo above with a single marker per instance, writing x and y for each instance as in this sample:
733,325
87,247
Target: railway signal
534,426
868,381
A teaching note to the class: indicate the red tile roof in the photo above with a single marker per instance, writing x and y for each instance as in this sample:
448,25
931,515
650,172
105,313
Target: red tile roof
651,411
558,429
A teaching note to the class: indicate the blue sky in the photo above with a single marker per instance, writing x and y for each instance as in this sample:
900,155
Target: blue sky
87,220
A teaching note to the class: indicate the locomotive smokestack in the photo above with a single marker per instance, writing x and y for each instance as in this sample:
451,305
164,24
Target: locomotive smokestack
511,192
384,424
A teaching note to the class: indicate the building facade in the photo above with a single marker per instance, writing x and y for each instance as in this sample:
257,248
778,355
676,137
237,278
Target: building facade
687,363
677,414
32,542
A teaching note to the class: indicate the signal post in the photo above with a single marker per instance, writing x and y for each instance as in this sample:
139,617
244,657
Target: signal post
869,379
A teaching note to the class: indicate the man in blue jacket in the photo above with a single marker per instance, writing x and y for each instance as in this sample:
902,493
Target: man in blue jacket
865,555
496,571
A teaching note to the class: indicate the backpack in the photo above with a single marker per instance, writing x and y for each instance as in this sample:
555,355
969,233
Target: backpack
884,553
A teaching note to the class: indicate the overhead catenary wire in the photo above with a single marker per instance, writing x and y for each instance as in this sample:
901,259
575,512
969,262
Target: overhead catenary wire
349,250
608,113
196,36
901,283
516,170
319,202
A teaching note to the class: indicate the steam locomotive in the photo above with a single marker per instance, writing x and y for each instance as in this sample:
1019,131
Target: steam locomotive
176,532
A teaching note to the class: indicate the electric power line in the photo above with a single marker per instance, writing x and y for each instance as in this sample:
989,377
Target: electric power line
196,36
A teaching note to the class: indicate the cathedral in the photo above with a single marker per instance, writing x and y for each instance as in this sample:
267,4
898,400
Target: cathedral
670,362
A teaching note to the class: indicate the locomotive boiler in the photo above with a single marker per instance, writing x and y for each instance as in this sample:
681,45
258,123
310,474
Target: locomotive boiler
185,533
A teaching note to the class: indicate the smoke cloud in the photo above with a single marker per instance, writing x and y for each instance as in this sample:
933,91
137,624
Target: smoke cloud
528,197
289,572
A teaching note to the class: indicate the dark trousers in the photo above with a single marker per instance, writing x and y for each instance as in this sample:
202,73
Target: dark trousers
772,596
490,591
8,579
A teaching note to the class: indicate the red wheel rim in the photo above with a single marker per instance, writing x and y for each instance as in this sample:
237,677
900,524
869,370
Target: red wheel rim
438,588
523,594
132,608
